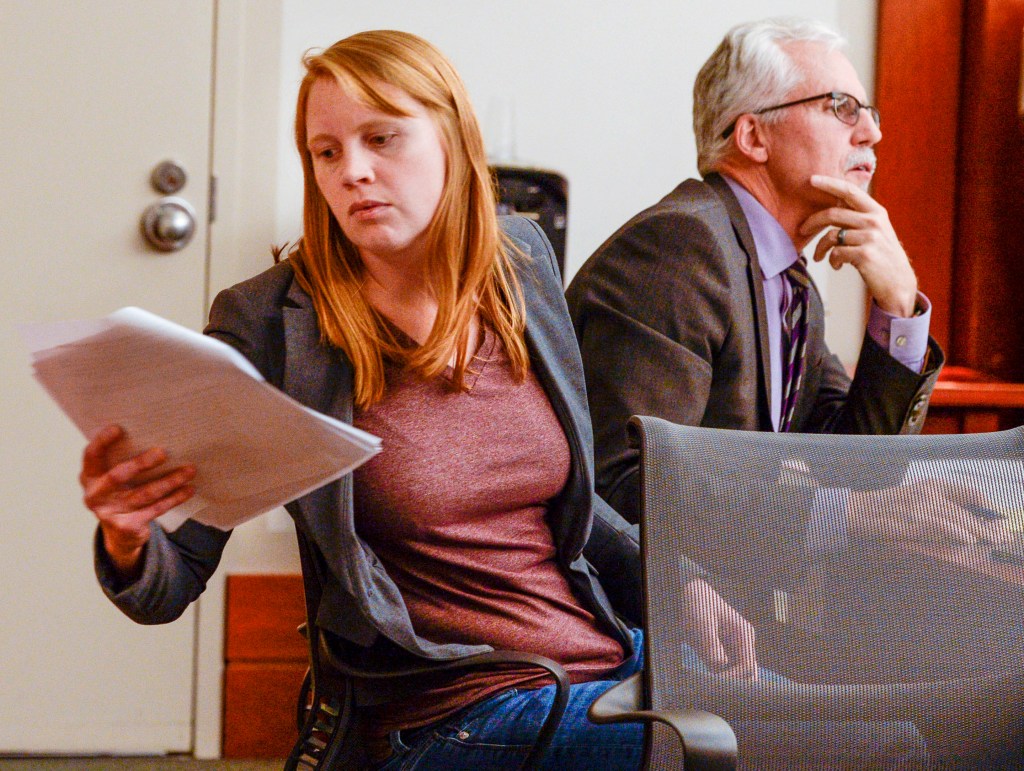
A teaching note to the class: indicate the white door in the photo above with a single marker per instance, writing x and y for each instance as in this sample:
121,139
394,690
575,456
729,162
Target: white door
92,96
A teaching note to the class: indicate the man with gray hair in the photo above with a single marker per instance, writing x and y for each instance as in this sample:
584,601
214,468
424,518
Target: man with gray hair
699,310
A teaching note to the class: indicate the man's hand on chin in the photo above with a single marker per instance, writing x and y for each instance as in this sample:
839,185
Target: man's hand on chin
862,236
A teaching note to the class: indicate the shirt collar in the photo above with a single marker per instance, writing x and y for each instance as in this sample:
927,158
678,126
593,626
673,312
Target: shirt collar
775,250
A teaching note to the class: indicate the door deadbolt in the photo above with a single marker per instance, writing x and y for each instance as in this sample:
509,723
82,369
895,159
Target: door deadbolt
169,224
168,177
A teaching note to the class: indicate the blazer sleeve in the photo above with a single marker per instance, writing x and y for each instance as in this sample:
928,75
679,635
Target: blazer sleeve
176,567
884,398
178,564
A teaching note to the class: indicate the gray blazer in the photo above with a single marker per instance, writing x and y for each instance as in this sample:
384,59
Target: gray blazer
671,321
271,320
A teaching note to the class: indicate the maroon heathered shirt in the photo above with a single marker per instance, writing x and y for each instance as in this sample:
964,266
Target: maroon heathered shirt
455,508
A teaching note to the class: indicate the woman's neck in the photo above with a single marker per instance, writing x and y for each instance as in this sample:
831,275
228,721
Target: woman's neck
402,293
406,299
409,304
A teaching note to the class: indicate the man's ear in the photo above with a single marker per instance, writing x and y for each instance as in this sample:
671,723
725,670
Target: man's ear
749,138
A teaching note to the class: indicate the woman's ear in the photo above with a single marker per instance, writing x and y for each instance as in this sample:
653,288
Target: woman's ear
749,138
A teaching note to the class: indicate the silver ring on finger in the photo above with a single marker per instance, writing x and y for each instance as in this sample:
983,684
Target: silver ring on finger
841,237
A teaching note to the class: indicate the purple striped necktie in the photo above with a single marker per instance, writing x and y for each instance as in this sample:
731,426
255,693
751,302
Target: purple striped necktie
794,339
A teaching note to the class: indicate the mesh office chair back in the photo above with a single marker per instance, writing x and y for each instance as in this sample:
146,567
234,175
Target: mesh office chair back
868,567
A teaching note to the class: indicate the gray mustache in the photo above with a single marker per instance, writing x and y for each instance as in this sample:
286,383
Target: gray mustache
857,157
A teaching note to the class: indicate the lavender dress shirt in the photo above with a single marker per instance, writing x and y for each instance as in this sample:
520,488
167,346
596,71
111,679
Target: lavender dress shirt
906,340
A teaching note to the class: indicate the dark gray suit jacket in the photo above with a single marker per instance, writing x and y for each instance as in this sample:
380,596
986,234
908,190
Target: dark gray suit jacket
271,320
671,321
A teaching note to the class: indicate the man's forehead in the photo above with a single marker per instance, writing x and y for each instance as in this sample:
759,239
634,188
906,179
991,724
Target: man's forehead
824,69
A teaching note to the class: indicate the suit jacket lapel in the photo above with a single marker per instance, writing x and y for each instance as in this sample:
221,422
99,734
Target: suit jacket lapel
320,377
746,241
548,326
314,373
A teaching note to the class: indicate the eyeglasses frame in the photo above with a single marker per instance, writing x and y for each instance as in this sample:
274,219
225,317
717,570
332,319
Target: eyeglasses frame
833,95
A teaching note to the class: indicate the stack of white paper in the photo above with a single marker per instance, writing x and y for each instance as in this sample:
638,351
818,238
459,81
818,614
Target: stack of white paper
254,448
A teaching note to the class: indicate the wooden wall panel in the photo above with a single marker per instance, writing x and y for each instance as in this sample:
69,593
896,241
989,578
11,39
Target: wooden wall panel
988,276
259,709
917,92
263,616
265,661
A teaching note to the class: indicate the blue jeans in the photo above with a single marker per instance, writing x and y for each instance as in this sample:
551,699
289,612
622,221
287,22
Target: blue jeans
496,734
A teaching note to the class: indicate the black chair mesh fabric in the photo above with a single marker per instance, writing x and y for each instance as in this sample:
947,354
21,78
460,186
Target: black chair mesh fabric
872,616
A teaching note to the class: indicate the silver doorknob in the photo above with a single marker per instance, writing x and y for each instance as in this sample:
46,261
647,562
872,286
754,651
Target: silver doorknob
169,224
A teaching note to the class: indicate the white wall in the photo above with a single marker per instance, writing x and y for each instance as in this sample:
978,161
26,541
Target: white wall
845,299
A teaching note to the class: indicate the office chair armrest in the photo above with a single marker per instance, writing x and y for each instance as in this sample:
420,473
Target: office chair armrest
708,742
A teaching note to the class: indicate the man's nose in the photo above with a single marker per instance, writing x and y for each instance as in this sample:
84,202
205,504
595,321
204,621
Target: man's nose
866,133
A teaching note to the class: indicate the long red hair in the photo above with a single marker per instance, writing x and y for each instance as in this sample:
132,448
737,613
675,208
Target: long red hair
470,261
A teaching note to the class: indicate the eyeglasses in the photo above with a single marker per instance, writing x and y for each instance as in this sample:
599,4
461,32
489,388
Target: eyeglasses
845,107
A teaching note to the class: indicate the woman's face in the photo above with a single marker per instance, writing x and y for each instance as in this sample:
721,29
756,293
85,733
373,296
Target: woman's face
381,174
